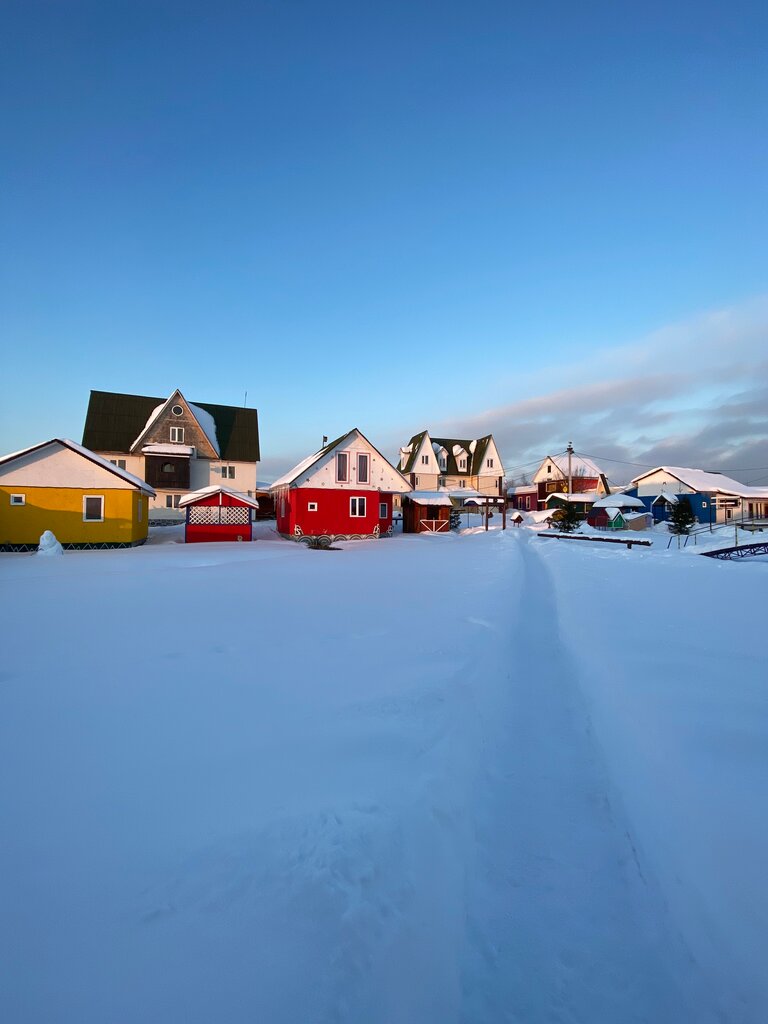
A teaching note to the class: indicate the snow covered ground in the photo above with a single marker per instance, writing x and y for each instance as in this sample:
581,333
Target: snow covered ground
468,778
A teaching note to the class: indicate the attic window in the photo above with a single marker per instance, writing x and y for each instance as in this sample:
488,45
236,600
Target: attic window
177,410
549,468
462,463
177,435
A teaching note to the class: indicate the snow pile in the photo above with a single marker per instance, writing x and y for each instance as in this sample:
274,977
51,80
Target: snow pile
49,545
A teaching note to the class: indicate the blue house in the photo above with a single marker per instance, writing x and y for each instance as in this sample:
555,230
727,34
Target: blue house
714,498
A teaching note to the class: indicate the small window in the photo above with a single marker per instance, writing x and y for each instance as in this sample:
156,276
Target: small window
703,504
383,510
167,467
177,435
120,463
362,469
425,460
93,508
177,410
416,482
549,468
462,483
489,463
357,508
172,500
462,463
18,499
342,467
311,506
228,472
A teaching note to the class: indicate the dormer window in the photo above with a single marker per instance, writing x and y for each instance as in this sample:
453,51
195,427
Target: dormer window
177,410
462,463
177,435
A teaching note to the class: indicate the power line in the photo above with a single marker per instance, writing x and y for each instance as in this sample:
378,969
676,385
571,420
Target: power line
653,465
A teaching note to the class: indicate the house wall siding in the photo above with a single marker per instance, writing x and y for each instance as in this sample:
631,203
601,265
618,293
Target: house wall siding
332,517
60,509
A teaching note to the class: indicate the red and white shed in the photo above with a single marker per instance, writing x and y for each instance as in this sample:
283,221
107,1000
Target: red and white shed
342,492
218,513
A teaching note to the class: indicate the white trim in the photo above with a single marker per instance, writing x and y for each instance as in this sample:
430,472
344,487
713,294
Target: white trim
16,502
311,506
177,435
357,499
90,497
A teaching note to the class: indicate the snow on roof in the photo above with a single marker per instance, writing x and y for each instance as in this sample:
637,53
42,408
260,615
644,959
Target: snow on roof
168,449
701,481
576,497
300,467
618,501
204,492
612,512
580,465
152,417
522,489
207,425
429,498
406,449
457,449
635,515
472,446
136,481
540,515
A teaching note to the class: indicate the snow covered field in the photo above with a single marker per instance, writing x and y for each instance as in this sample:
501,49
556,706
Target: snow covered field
467,778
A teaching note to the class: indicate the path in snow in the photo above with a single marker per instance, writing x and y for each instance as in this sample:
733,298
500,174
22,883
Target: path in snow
562,923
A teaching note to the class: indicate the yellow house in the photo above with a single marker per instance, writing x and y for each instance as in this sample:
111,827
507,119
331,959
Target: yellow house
85,500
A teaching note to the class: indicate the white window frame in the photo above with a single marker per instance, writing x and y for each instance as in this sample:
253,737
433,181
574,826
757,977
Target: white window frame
177,435
91,519
354,503
172,500
342,479
228,472
311,506
18,500
364,457
383,510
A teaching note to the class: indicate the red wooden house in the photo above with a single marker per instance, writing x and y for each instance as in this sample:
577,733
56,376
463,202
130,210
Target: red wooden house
342,492
217,513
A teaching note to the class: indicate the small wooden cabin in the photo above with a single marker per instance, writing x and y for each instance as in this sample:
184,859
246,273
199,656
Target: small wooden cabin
426,512
218,514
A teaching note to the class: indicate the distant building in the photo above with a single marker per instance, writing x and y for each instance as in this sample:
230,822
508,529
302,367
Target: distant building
83,499
551,481
343,491
714,497
175,445
453,464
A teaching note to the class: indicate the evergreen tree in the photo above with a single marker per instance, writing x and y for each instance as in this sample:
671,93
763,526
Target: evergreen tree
681,518
568,519
455,519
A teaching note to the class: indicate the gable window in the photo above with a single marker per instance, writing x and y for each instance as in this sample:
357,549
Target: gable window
549,468
177,410
383,511
362,469
120,463
18,499
228,472
357,508
489,463
177,435
93,508
462,463
425,460
342,467
311,506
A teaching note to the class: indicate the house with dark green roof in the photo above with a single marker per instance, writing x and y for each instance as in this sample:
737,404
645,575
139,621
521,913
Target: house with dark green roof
460,466
182,446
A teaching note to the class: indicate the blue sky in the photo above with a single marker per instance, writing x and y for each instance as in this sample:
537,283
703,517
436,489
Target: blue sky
394,216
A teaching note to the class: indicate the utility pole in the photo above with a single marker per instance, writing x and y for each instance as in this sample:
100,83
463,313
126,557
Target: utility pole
569,449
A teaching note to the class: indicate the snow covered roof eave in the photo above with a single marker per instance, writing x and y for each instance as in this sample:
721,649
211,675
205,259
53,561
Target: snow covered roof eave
135,481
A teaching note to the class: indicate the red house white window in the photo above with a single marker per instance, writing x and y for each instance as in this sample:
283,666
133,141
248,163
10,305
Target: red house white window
357,508
342,467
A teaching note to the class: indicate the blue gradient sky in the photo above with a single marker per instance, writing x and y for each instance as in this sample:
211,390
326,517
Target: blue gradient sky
385,215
